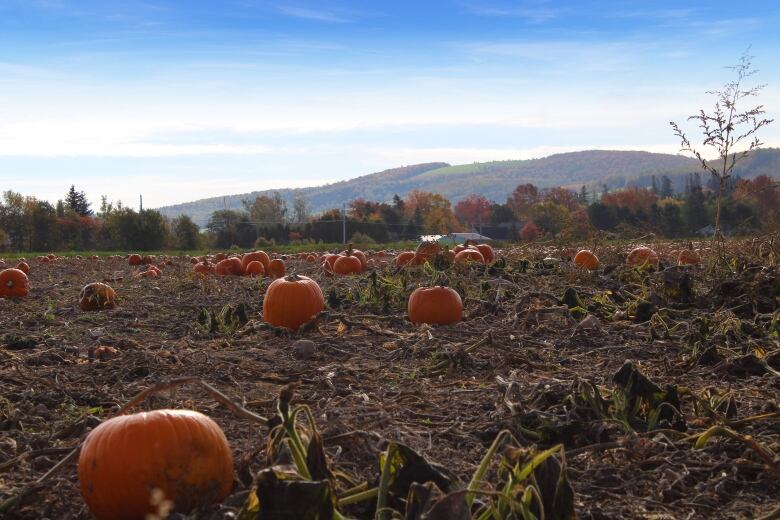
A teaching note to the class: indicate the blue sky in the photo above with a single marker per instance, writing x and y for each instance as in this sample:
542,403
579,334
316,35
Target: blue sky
182,100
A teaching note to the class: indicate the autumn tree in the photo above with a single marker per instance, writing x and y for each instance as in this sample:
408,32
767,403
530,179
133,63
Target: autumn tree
266,209
549,216
301,212
473,211
185,232
730,130
432,211
361,209
521,200
562,196
530,232
633,199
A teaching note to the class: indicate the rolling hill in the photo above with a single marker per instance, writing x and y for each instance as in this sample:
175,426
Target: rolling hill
495,180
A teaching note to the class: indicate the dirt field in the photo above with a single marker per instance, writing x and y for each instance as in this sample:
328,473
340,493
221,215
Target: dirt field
701,342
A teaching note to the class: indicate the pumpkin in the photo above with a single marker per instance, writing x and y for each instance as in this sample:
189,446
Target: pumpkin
428,249
404,258
688,257
586,259
469,255
435,306
203,268
448,254
487,252
642,256
229,266
259,256
23,267
311,258
382,253
357,253
347,265
182,453
97,296
134,259
254,268
329,260
277,268
292,301
362,257
220,256
14,284
194,260
459,248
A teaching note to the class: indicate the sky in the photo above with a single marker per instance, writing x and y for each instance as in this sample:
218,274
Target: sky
187,99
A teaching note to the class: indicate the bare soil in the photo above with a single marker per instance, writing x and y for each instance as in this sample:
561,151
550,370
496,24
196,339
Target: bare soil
708,332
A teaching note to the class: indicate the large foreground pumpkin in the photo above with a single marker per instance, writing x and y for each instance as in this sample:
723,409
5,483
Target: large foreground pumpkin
292,301
14,284
435,306
182,453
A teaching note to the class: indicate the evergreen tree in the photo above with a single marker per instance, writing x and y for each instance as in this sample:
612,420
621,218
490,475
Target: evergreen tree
655,186
695,210
77,202
667,191
60,209
584,196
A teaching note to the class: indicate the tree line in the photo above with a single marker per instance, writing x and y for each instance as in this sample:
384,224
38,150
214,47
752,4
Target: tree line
529,213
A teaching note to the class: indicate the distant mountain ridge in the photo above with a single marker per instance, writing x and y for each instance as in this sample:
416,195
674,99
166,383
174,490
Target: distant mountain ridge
495,180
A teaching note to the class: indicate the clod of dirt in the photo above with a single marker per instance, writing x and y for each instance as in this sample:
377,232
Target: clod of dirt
19,343
304,349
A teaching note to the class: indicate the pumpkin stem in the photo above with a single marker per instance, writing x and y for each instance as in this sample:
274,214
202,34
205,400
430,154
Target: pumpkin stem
292,277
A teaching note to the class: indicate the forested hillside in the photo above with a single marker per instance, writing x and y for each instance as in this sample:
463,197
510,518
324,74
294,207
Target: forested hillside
495,180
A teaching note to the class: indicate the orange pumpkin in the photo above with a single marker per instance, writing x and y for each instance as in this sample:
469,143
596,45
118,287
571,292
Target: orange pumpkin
97,296
688,257
229,266
362,257
404,258
220,256
182,453
330,259
277,268
435,306
347,265
469,255
428,249
257,256
487,253
14,284
459,248
586,259
642,257
203,268
134,260
292,301
311,258
254,268
23,267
